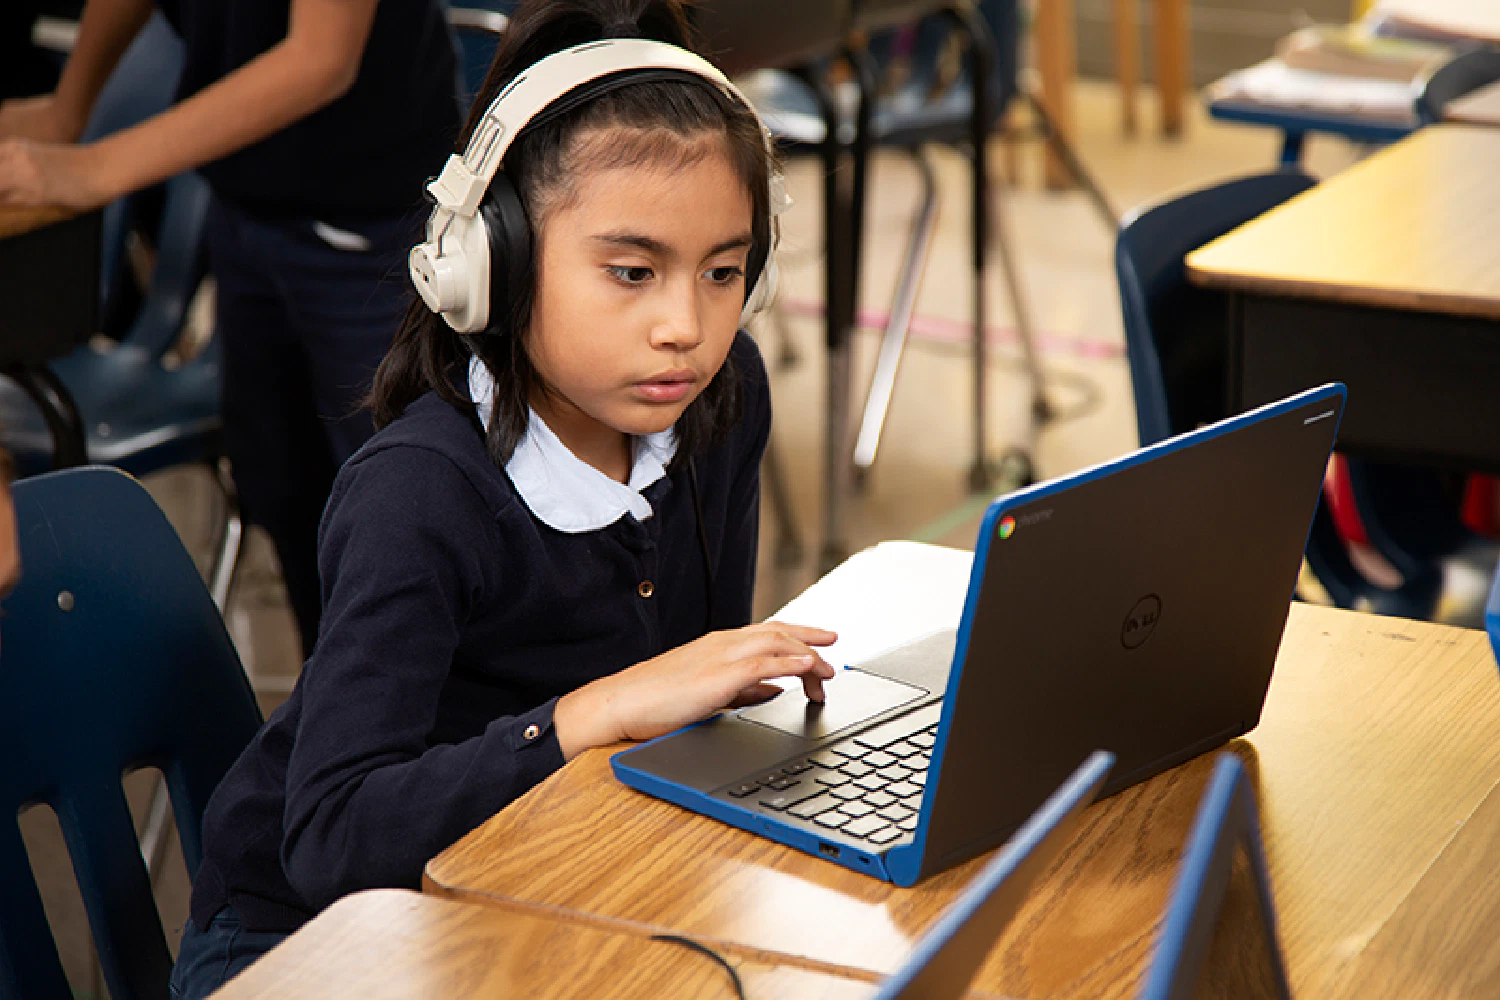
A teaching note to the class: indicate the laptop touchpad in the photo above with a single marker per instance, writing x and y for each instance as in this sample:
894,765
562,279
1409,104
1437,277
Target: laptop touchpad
852,696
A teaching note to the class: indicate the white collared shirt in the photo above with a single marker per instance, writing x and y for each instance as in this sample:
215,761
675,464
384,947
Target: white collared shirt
563,491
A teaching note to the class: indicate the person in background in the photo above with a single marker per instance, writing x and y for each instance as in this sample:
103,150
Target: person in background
315,123
10,546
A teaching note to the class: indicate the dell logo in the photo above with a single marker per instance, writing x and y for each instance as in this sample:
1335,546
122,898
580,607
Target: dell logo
1141,622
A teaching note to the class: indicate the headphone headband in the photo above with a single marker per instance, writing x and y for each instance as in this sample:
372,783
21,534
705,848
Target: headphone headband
461,185
453,268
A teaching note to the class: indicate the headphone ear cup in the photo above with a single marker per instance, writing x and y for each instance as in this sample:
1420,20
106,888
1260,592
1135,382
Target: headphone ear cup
509,243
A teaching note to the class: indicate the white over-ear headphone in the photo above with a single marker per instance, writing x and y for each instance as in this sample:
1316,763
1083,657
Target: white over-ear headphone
453,268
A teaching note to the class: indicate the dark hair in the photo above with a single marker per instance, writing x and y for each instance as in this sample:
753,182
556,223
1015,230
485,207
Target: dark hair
664,121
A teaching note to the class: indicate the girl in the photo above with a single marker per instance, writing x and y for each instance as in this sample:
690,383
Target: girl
550,544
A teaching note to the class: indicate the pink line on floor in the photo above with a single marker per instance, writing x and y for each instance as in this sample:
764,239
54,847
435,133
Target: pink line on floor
938,328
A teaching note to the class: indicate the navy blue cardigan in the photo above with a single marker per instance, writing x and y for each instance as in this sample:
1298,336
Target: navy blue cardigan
452,621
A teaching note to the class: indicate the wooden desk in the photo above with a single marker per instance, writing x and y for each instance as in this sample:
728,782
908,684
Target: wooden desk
1386,277
1478,107
399,944
1376,764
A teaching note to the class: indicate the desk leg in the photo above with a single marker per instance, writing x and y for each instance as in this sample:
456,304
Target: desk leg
1171,24
69,444
1056,56
1127,59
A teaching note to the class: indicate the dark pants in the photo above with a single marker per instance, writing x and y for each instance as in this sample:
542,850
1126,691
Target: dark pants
303,325
210,957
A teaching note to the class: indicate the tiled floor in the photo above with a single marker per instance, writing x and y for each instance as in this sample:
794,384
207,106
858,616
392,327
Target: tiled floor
918,486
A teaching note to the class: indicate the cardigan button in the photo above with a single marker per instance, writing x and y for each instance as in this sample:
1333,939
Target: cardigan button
532,732
646,589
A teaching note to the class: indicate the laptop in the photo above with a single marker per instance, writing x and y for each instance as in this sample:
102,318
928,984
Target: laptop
1135,606
1219,936
952,950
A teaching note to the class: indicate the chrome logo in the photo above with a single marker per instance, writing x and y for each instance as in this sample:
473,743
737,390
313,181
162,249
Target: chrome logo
1007,527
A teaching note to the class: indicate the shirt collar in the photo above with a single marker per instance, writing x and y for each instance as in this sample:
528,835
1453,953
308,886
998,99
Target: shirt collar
563,491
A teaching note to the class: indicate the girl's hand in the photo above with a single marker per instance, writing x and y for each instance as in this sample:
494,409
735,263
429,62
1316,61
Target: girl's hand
719,671
39,173
38,118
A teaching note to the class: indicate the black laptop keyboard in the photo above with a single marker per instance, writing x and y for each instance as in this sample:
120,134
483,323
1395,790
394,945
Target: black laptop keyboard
868,786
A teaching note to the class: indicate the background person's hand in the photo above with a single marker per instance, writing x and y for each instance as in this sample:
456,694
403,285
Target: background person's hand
719,671
38,173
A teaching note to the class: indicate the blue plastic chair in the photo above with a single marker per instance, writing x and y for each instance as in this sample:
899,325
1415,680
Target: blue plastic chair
142,410
477,28
1469,70
115,658
1175,340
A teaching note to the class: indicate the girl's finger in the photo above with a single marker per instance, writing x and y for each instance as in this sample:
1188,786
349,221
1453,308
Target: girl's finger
812,687
757,693
811,635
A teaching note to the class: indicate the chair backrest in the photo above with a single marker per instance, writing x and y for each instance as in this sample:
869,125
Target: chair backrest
1175,333
114,658
143,84
181,262
743,35
1468,70
477,28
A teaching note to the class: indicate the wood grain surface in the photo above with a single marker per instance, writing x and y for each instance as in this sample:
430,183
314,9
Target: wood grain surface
400,944
1373,757
1411,227
14,222
1478,107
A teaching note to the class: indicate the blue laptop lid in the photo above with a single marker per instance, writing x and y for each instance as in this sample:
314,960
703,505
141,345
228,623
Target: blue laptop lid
951,952
1125,579
1218,938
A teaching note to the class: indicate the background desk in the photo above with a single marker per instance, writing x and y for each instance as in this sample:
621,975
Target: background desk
1385,277
399,944
1376,765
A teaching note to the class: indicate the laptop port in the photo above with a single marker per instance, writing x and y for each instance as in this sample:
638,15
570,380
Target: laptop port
827,850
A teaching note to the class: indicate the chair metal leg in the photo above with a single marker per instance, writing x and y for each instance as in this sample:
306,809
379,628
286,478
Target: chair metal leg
231,539
788,540
883,384
1069,157
1040,408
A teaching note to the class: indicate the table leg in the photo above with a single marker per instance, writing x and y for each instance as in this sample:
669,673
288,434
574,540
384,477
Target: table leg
69,443
1056,56
1171,24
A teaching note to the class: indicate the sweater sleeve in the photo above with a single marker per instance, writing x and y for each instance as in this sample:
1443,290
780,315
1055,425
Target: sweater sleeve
734,580
368,802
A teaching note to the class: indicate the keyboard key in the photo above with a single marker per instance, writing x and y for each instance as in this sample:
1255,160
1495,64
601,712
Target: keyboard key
894,773
847,748
878,759
922,740
863,826
850,791
832,779
903,789
871,782
833,819
909,824
882,836
809,808
796,768
879,798
855,769
743,789
918,778
826,758
786,799
903,748
767,779
782,783
895,812
922,761
857,808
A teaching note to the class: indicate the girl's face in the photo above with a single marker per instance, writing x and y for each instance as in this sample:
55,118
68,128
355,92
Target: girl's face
640,283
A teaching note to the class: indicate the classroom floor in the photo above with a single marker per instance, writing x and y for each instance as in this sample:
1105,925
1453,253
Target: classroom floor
918,487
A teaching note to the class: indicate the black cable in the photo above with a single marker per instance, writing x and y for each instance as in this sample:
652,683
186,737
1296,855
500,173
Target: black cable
699,947
708,560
